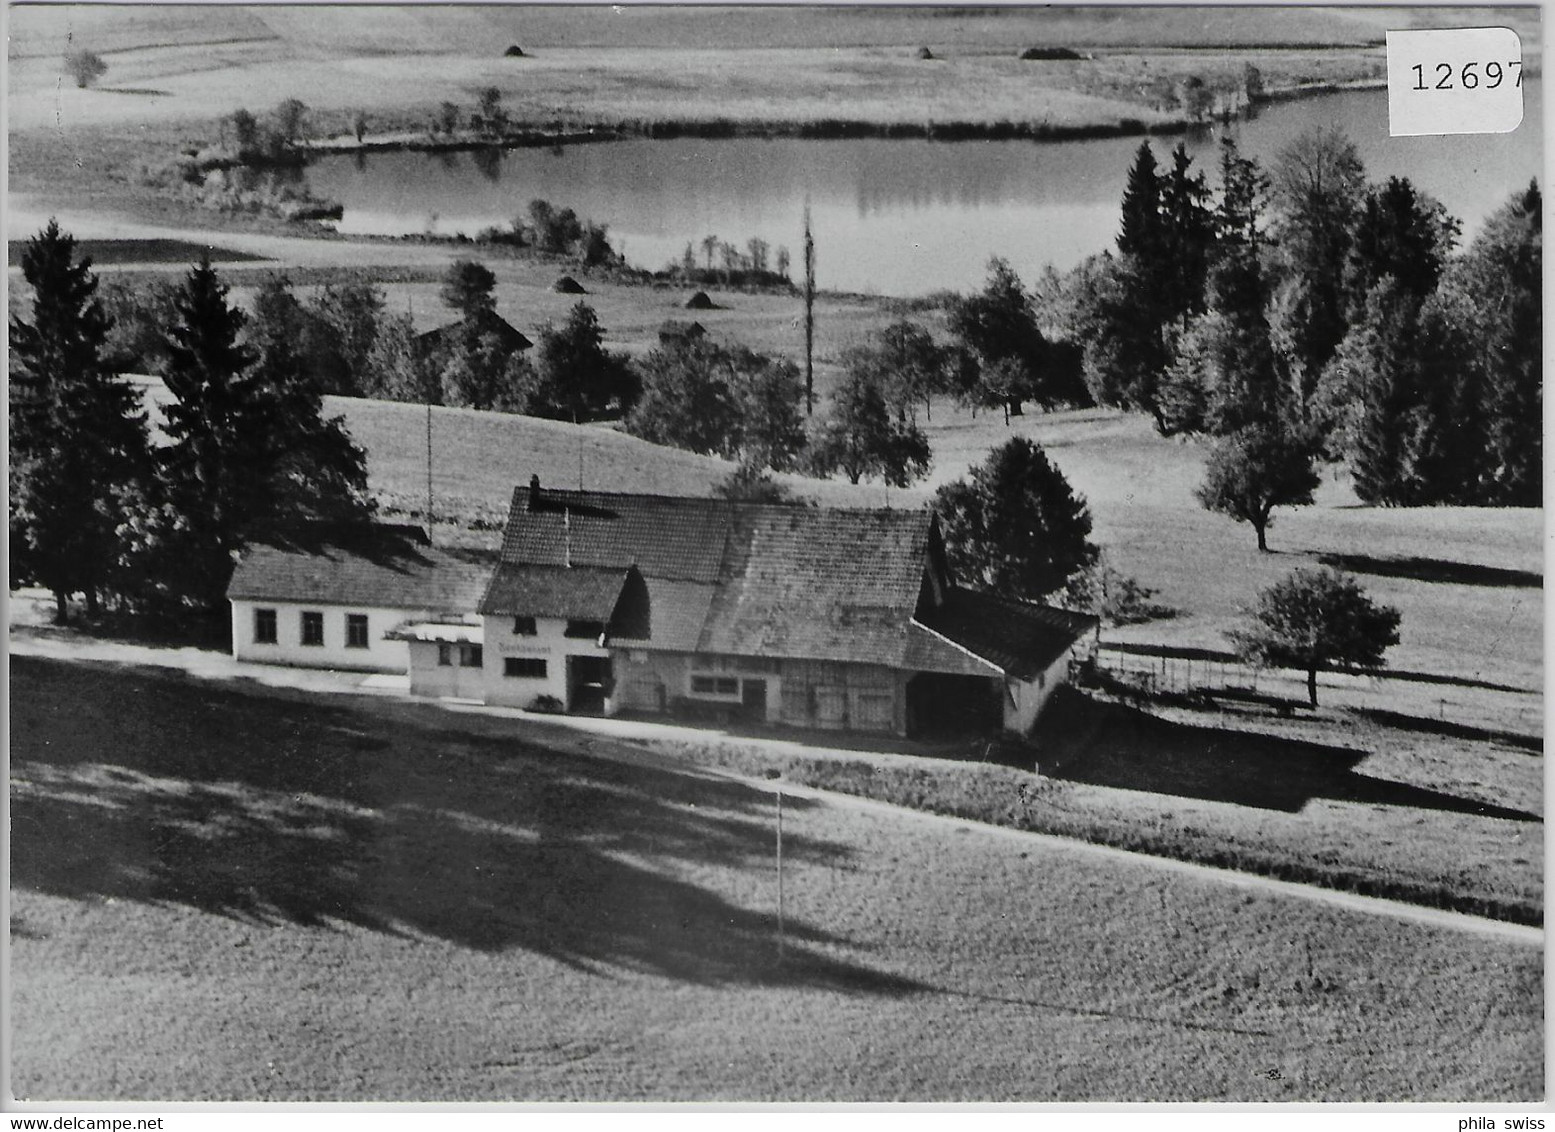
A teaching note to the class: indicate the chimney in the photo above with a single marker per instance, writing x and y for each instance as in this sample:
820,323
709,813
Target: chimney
534,492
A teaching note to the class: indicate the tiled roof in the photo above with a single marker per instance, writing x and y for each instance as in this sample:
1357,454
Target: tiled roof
928,651
824,584
368,564
664,536
746,579
1018,636
676,613
487,322
584,593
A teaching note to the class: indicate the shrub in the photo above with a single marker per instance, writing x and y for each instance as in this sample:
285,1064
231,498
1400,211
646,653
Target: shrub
547,705
86,67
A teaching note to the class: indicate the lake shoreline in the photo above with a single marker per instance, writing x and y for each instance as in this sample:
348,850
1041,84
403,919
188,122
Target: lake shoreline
539,135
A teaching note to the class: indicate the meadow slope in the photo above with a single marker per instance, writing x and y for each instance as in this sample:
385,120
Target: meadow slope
270,895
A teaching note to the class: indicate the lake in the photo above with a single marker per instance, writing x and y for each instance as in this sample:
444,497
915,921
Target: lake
893,217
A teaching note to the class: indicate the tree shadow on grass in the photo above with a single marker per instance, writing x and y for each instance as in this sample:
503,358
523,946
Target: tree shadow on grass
1434,570
290,809
1111,744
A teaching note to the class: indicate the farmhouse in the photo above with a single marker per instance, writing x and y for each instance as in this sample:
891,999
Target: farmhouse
353,596
486,323
838,619
606,602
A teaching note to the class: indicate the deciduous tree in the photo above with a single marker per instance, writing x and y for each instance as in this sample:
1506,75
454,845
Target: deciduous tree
1015,526
861,436
1314,618
1256,469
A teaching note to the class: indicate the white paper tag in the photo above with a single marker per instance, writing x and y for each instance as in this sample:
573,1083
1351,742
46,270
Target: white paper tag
1454,81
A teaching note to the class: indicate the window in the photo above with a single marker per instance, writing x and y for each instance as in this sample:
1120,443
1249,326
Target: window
264,627
524,627
588,630
526,667
312,627
470,656
356,630
715,686
445,655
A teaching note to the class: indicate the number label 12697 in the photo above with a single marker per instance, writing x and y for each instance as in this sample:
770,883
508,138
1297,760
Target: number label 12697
1468,76
1454,81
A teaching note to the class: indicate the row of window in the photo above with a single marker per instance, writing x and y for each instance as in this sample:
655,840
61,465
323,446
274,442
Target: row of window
267,628
469,656
578,630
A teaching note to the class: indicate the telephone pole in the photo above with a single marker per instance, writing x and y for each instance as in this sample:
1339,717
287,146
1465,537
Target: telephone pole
809,314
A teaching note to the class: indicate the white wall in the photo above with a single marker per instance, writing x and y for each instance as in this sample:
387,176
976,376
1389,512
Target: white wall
428,678
1025,699
379,655
550,643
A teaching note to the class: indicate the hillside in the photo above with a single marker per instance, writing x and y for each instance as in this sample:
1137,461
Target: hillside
260,895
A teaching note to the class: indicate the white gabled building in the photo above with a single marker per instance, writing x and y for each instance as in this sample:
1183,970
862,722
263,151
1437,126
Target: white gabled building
340,595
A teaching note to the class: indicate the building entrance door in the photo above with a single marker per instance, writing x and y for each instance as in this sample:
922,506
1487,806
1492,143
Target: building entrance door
753,700
588,684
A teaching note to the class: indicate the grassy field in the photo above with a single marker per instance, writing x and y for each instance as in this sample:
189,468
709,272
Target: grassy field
227,893
1338,800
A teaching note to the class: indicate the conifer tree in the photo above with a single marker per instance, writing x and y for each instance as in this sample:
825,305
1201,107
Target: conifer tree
1502,276
77,444
250,450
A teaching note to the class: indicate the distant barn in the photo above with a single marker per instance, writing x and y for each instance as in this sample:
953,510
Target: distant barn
487,323
674,333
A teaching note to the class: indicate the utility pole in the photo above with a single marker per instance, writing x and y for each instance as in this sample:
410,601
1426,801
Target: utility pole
776,775
809,314
429,473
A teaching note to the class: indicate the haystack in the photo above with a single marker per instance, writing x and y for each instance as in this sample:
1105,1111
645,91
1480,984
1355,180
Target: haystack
925,53
700,302
567,285
514,51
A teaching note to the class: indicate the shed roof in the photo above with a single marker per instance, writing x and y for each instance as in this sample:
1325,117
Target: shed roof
369,564
1020,637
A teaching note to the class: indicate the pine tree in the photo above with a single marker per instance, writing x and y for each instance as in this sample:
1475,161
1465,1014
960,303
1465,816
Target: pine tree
78,452
1502,276
1141,233
249,448
1399,232
1188,237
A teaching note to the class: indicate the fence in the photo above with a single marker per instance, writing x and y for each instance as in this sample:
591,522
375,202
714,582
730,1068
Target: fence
1154,674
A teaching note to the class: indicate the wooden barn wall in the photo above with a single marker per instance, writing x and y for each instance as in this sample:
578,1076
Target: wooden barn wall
827,695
